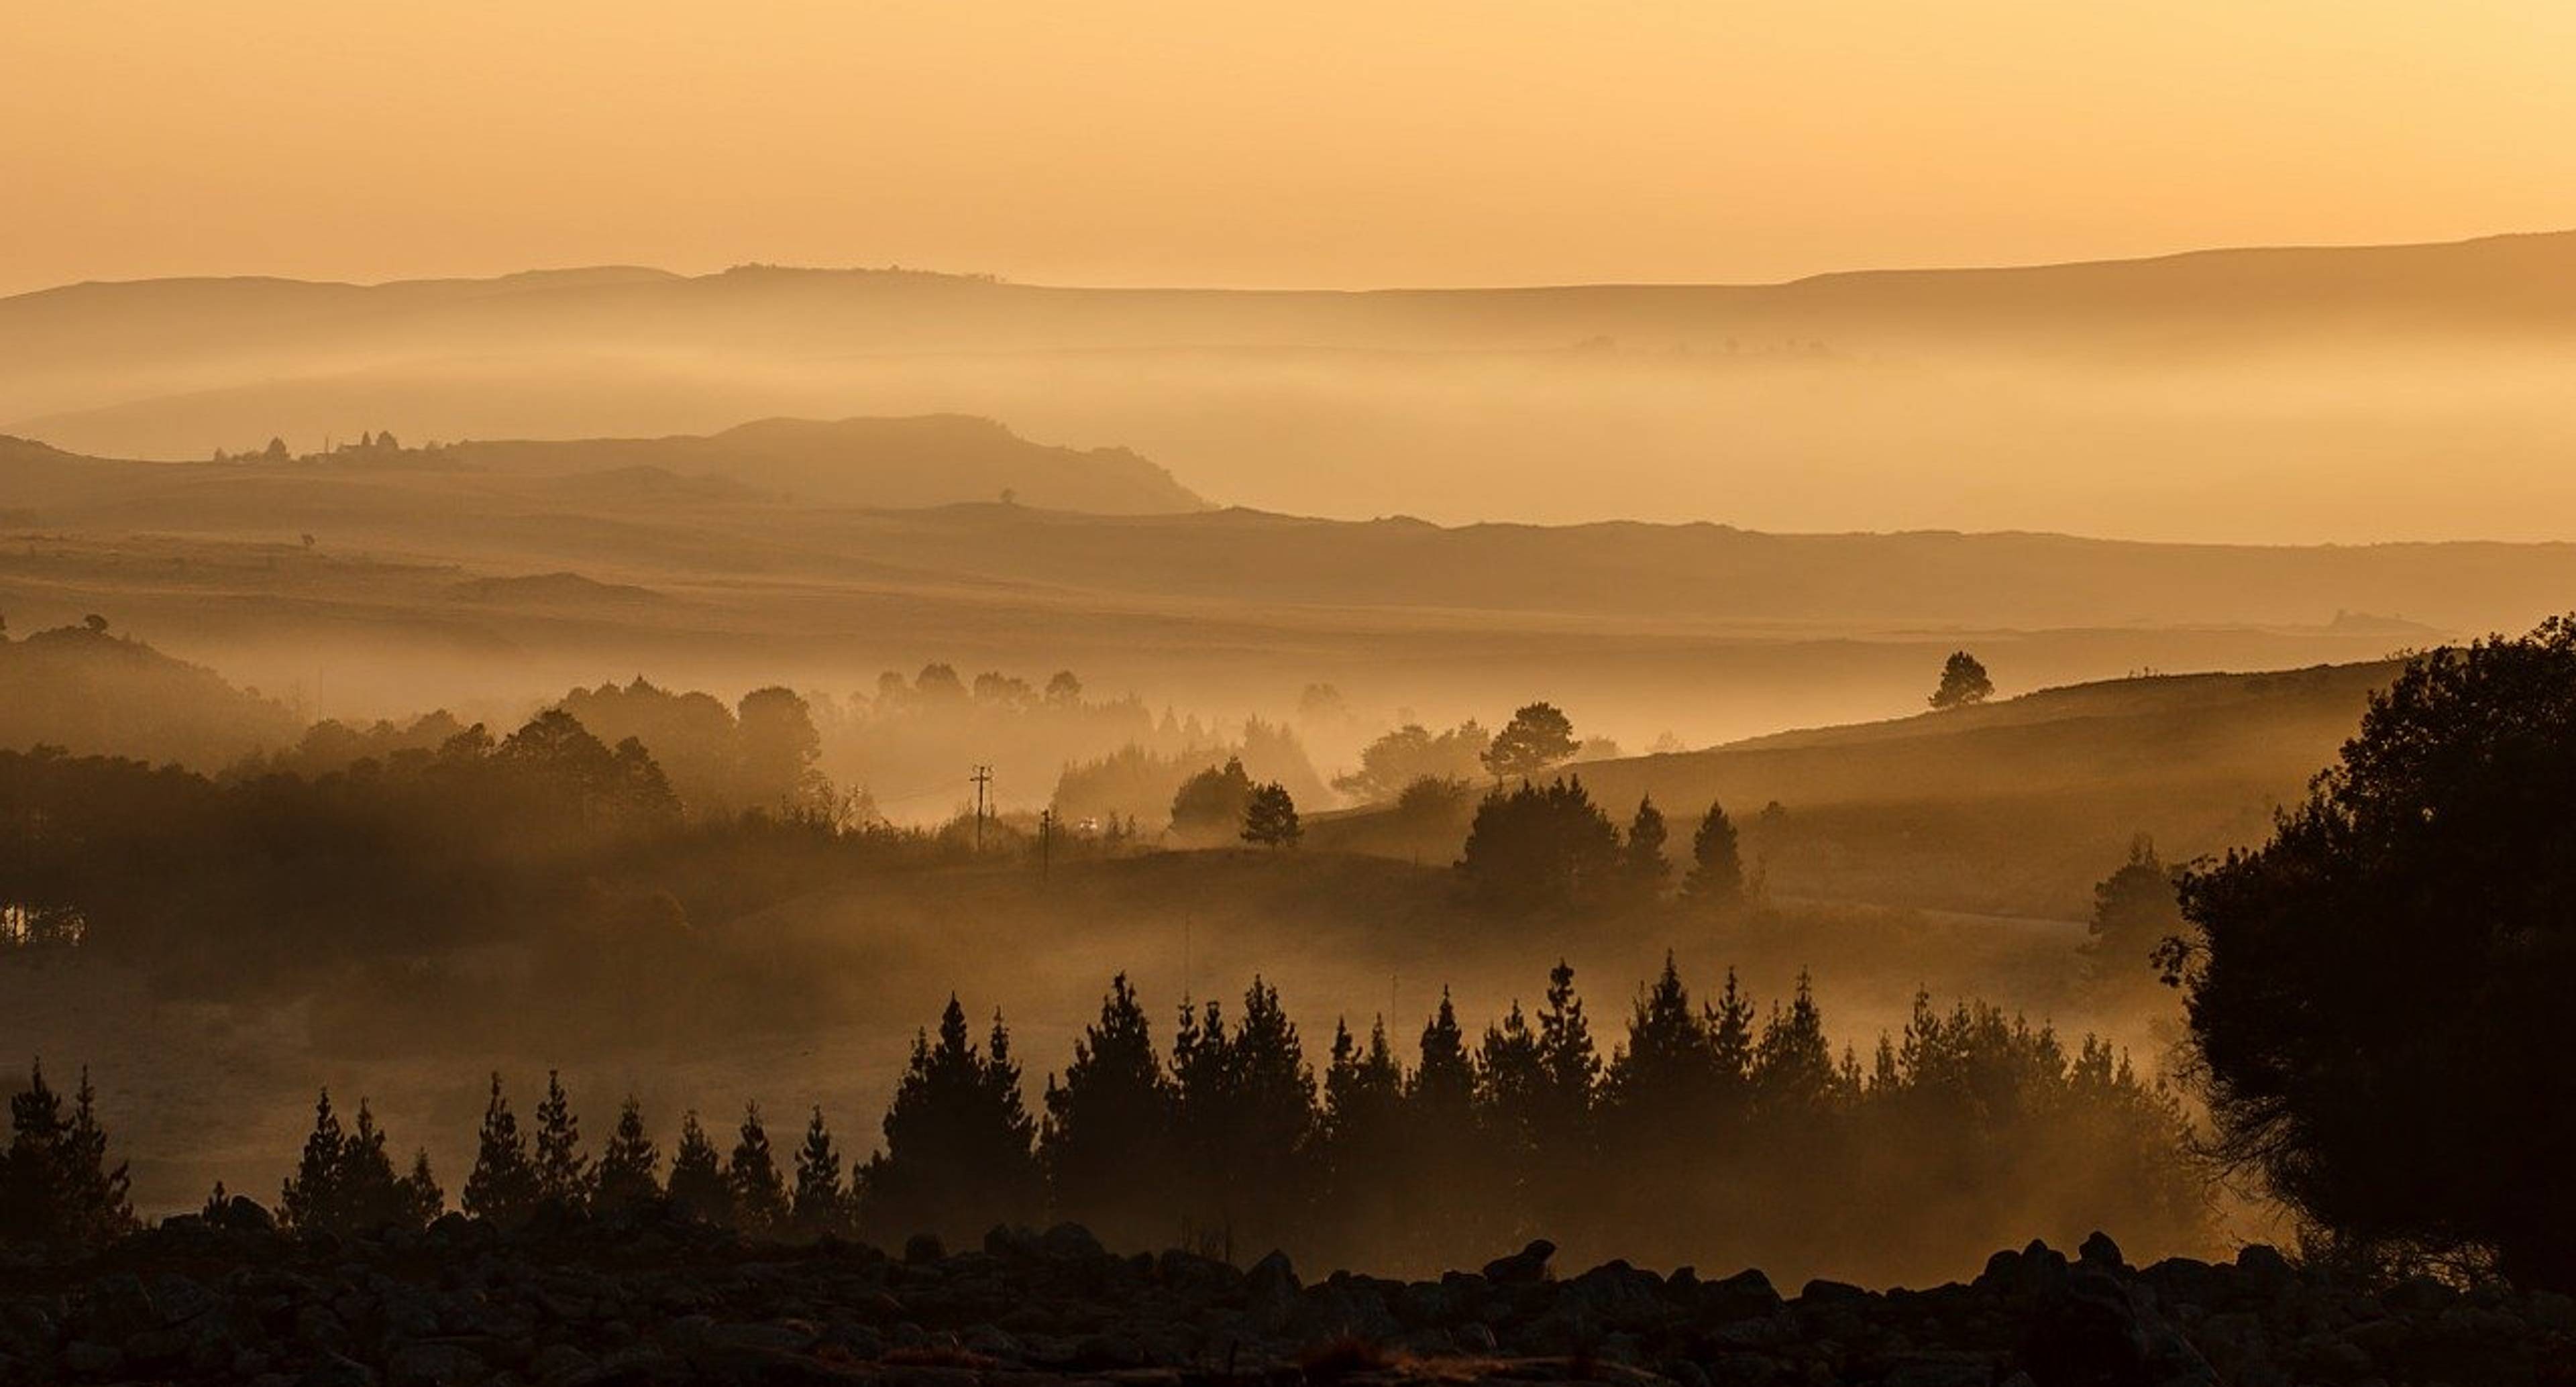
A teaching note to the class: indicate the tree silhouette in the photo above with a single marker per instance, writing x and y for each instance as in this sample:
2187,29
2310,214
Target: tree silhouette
1641,858
2379,993
1106,1144
821,1205
758,1193
1716,877
1963,682
959,1146
1212,801
1270,818
310,1198
2135,910
56,1186
1538,736
629,1164
698,1185
503,1186
345,1182
563,1175
1534,847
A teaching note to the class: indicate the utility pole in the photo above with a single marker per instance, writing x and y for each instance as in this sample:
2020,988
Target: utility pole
983,776
1046,841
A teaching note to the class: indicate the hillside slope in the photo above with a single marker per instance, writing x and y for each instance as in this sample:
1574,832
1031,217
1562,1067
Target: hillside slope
2014,808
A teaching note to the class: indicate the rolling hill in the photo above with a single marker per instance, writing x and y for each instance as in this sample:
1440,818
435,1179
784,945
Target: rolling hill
2011,808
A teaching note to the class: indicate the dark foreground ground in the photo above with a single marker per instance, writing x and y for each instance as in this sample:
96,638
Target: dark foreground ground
655,1301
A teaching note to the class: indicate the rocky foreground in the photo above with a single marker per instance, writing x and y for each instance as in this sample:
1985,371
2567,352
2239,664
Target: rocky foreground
651,1300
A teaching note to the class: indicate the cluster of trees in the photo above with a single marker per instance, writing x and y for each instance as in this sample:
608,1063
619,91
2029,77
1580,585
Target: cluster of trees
573,856
1222,802
1714,1132
758,755
1143,784
1539,847
56,1186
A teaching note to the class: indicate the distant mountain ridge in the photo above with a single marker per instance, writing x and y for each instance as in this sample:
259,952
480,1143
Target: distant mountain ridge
2352,393
928,460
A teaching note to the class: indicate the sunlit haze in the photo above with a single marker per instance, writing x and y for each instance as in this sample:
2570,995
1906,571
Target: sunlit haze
1450,142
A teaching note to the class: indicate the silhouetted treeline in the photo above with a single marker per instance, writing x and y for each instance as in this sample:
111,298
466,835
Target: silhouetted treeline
1716,1132
571,853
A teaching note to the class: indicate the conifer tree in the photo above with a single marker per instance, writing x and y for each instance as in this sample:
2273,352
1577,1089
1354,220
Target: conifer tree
822,1205
369,1196
1641,858
311,1197
563,1173
1794,1069
698,1186
1443,1088
1568,1062
1511,1075
421,1194
503,1186
1270,817
1716,876
759,1193
959,1145
100,1207
1105,1143
629,1165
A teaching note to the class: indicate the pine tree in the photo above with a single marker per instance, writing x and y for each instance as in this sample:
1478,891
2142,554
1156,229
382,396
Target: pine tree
1444,1085
503,1187
369,1197
1717,866
959,1145
629,1165
822,1205
1105,1144
759,1194
563,1173
96,1194
311,1197
1793,1070
422,1197
1270,818
1641,858
698,1186
1569,1064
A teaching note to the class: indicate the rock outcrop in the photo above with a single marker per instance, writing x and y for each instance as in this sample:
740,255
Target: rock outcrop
649,1299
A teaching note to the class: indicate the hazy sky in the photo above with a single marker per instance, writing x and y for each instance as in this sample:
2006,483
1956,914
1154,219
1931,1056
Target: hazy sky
1317,143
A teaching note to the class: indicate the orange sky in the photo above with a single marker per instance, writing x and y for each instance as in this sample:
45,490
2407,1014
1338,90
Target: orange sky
1315,143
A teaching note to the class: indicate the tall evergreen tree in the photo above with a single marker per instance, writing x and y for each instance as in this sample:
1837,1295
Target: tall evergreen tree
759,1192
1270,817
822,1205
629,1165
1641,859
1717,865
1793,1069
371,1197
1106,1141
960,1146
503,1186
422,1196
311,1197
55,1183
698,1186
563,1173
